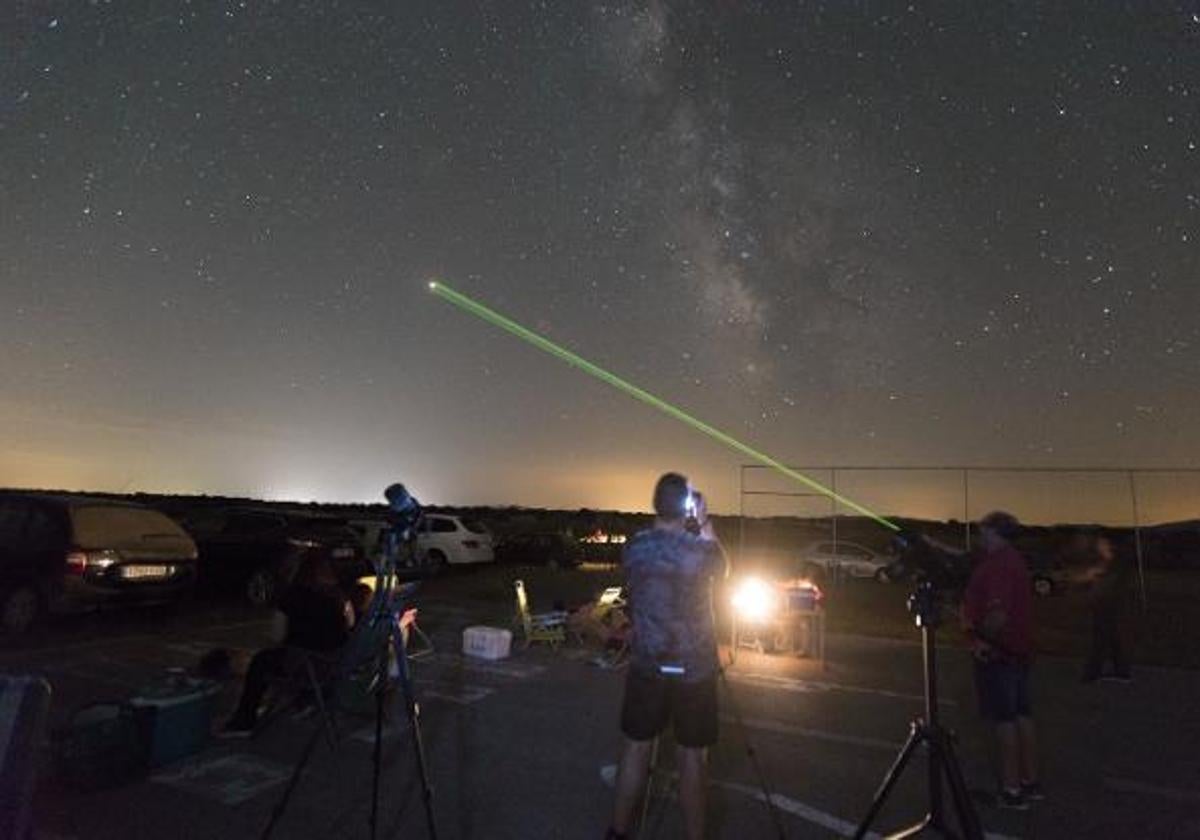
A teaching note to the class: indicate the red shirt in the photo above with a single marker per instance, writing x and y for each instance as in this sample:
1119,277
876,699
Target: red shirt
1000,583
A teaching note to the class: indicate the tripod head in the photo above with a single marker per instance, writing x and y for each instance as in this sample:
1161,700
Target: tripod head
924,605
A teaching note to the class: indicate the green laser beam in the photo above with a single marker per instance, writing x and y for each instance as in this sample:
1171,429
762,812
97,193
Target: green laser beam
542,343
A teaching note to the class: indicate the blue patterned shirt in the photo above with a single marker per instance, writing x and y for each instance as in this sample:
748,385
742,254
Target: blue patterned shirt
668,582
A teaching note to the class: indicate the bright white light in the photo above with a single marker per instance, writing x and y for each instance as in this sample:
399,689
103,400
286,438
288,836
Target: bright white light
754,600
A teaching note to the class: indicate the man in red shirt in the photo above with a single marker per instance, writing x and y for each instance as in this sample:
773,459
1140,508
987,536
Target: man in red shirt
998,614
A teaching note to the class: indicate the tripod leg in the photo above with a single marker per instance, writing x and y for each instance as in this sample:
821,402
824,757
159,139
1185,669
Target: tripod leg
649,792
414,722
319,698
377,751
968,816
291,785
915,737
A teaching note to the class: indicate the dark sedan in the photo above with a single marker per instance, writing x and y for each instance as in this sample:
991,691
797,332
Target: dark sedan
539,549
254,553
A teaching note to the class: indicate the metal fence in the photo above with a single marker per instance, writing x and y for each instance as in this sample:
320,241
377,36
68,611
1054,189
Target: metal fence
1111,497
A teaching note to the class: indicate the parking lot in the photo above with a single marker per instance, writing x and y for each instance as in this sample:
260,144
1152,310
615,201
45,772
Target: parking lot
524,747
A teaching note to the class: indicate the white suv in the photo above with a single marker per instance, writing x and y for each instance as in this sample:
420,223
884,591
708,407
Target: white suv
845,559
443,539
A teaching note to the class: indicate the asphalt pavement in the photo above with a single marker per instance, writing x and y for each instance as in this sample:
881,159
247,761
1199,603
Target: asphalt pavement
525,747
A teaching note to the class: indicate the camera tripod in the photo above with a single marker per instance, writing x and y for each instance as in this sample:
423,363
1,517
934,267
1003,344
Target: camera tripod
378,637
751,755
927,732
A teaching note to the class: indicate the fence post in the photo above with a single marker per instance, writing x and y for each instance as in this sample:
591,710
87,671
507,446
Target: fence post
741,512
833,507
966,509
1137,537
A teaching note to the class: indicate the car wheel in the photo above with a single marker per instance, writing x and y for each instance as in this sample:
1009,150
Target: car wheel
438,559
260,588
1043,587
882,576
19,610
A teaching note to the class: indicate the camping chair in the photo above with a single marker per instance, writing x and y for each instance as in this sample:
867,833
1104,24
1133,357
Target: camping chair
343,680
549,627
607,620
307,674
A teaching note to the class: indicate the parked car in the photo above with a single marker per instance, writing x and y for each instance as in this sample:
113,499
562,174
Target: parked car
371,534
549,548
845,559
255,552
67,554
443,540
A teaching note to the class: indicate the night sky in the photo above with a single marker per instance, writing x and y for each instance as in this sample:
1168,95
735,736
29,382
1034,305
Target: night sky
846,232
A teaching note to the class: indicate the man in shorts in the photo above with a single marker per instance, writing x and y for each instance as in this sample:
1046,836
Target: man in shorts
998,614
672,677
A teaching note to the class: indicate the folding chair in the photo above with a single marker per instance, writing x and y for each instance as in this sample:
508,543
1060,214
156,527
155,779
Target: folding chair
609,620
305,672
548,627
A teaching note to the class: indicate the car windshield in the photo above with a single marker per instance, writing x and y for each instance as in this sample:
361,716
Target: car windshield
113,526
325,529
475,526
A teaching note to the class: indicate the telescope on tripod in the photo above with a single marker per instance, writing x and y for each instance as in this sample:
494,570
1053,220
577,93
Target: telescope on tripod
380,641
933,568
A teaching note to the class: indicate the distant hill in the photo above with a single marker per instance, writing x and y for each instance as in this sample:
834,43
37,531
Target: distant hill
1168,545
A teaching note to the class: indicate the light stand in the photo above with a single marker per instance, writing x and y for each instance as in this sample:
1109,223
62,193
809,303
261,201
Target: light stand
926,731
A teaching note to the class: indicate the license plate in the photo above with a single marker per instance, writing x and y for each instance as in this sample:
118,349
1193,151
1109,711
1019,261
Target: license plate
342,553
146,572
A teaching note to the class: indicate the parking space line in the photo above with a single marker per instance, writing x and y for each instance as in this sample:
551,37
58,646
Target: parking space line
462,695
806,812
121,640
811,686
817,734
794,807
499,668
95,643
1134,786
229,779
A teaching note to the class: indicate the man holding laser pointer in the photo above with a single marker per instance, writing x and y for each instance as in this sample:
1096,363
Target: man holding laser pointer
672,677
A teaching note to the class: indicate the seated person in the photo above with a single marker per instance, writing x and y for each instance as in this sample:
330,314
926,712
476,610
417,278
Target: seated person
318,618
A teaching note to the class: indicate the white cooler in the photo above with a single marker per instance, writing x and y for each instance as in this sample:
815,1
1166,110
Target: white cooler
487,642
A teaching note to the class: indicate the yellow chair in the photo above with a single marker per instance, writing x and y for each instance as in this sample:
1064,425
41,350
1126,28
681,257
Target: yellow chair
548,627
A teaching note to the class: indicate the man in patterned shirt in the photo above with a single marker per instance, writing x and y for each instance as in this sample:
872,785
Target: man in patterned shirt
673,667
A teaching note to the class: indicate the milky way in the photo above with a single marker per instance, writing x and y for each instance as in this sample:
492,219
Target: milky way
851,233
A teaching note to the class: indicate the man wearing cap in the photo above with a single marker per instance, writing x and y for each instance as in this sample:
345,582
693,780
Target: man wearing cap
998,615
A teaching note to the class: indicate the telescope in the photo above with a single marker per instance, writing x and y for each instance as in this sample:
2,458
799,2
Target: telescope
924,561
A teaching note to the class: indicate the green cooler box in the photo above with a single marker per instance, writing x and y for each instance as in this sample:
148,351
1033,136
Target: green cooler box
182,710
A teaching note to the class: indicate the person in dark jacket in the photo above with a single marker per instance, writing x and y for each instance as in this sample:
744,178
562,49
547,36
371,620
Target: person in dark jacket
1110,576
997,612
318,618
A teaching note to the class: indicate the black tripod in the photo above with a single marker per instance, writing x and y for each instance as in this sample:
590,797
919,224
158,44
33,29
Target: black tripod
939,743
380,635
767,798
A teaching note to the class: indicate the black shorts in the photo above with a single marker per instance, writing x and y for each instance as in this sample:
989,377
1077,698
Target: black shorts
1003,689
651,700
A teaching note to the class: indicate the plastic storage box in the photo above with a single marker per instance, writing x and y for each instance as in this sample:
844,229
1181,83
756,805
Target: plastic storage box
183,710
487,642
